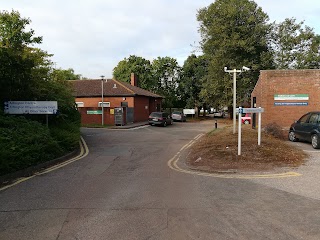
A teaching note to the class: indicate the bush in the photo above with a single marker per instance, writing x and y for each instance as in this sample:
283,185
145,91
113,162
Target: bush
275,130
65,129
25,143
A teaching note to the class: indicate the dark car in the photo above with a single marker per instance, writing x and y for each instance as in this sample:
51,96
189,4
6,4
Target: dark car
307,128
178,116
159,118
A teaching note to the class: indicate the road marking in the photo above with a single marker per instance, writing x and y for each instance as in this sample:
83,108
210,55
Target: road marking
173,164
312,151
145,126
84,151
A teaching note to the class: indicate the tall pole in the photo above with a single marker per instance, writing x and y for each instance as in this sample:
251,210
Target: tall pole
235,71
102,113
234,99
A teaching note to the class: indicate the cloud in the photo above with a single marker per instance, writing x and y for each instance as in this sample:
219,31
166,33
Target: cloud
93,36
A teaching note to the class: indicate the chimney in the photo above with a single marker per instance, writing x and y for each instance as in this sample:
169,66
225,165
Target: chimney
134,80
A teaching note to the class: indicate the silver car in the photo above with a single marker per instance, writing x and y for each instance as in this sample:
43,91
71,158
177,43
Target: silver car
178,116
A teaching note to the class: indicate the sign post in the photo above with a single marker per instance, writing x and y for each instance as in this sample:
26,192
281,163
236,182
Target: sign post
239,130
249,110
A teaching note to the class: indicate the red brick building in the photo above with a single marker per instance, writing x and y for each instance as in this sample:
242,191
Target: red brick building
136,103
286,95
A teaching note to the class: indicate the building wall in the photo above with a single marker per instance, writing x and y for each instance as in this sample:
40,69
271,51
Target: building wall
286,82
142,105
114,101
141,108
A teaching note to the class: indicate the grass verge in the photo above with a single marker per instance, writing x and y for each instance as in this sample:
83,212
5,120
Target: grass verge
218,151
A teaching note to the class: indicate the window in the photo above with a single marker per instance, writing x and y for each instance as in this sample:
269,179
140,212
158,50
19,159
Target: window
314,118
105,104
80,104
304,118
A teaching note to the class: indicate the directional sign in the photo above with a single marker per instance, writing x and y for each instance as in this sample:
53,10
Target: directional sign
253,110
31,107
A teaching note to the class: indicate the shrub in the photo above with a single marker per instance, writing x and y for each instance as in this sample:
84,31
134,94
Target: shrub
24,143
275,130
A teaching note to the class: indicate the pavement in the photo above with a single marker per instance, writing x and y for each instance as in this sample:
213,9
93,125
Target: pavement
130,125
307,184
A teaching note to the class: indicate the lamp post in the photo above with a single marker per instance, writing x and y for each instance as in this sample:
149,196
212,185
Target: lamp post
235,71
102,113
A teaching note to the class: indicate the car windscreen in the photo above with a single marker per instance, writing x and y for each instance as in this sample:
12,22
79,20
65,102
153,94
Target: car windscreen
155,114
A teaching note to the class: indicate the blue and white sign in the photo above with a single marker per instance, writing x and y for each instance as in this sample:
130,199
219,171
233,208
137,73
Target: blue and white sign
31,107
291,104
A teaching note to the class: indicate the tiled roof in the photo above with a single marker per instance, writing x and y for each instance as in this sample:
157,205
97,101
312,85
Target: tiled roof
111,87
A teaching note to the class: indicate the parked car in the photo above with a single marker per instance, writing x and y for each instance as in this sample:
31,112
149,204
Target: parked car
307,128
159,118
178,116
220,114
246,119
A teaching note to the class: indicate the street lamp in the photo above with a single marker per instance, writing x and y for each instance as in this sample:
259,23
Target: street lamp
102,113
235,71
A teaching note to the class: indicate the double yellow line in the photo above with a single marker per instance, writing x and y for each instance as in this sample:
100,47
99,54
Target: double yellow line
173,164
84,151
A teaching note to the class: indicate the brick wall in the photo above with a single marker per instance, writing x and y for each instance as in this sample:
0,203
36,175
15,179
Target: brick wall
139,103
287,82
141,108
114,101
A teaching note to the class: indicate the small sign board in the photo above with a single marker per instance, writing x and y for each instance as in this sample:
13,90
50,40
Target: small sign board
31,107
290,103
189,111
250,110
94,111
253,110
291,97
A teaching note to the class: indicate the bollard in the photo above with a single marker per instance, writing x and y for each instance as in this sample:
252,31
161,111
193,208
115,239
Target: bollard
216,124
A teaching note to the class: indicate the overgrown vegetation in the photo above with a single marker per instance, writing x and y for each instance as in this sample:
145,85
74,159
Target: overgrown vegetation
26,74
218,152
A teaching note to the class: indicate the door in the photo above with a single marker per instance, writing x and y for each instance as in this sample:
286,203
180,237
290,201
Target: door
301,127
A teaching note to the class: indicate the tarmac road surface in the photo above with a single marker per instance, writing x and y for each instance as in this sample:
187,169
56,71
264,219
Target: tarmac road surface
124,189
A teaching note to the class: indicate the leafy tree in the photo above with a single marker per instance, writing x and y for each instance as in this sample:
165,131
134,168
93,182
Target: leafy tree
295,45
65,74
234,34
190,84
137,65
18,62
26,74
166,72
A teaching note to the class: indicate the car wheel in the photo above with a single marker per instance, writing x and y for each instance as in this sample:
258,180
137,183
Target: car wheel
246,122
292,136
315,141
165,123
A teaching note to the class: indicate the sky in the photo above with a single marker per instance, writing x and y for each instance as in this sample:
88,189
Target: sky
92,37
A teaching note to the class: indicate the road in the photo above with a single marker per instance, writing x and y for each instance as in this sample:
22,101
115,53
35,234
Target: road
124,189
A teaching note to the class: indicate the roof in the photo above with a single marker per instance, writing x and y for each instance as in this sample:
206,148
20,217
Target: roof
111,87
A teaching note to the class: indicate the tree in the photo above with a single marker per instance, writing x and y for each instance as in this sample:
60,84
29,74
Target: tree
166,72
17,58
295,45
234,34
190,84
62,74
137,65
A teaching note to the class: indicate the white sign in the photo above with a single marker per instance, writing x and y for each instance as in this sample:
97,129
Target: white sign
291,97
250,110
253,110
31,107
189,111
